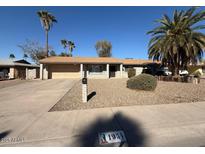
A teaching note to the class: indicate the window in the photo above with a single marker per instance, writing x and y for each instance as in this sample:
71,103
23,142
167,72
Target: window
96,68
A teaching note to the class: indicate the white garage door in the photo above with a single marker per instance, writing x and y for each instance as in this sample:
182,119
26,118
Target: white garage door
64,71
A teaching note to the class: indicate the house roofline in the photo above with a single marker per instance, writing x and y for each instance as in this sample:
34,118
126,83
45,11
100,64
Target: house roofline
94,60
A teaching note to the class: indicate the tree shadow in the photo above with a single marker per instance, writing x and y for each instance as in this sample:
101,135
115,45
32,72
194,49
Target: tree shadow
92,94
4,134
132,130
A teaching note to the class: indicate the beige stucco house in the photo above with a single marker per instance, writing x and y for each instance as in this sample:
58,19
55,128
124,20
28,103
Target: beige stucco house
96,67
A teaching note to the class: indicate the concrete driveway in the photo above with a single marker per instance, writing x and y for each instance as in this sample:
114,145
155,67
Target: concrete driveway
22,104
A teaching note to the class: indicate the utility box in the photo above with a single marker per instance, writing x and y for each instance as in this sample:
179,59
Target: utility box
84,90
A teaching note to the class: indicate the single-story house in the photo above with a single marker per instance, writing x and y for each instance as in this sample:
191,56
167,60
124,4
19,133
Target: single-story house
57,67
18,69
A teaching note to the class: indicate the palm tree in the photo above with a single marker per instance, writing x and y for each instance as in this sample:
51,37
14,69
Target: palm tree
103,48
47,20
52,53
12,56
25,56
64,43
176,42
68,44
63,54
71,47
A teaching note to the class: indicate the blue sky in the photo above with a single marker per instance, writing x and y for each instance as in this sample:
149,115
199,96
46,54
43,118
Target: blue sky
124,27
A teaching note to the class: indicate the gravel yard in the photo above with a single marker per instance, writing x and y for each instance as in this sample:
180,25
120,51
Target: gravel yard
113,92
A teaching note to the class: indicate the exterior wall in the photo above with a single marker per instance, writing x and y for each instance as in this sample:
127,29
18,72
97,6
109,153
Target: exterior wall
97,75
32,73
138,70
61,71
117,72
124,73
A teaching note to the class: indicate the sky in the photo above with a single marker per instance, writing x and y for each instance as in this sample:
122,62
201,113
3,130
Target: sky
124,27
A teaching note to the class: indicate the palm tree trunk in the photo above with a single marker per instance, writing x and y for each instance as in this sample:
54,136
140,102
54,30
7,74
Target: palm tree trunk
68,51
47,43
176,71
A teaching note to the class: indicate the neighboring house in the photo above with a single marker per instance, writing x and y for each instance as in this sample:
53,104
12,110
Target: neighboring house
19,69
100,67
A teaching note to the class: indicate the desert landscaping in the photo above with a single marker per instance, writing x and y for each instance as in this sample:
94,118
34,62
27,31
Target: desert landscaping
113,92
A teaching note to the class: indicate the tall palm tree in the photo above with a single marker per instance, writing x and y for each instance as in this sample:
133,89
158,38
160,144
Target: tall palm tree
176,41
64,43
68,44
12,56
71,47
47,20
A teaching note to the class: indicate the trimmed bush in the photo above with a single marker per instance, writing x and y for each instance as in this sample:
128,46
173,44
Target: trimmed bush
131,72
142,82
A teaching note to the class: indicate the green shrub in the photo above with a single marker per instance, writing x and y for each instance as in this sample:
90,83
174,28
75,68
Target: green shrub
131,72
142,82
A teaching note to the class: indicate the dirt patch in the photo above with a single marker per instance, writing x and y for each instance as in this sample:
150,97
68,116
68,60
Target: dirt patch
113,92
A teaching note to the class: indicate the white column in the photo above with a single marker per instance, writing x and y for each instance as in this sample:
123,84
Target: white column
41,71
121,70
84,93
45,73
81,70
27,74
108,71
11,73
87,73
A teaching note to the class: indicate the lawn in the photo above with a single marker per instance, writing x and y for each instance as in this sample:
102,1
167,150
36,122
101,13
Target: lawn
113,92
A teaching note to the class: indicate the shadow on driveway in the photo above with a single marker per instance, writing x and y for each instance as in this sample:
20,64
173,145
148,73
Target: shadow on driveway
132,129
4,134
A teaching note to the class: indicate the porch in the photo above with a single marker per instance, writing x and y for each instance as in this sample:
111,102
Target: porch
101,70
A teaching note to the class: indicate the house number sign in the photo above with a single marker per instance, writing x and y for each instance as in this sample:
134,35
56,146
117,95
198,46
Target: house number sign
112,137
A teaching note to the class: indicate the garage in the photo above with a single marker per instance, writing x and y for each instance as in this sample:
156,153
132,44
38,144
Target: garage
64,71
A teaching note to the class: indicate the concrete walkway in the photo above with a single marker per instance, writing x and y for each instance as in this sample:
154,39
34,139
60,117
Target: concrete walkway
151,125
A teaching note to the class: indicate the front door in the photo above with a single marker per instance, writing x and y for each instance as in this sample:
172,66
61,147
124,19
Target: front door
112,71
